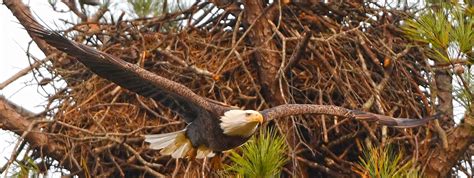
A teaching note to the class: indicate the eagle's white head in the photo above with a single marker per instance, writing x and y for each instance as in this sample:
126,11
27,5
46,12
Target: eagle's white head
241,122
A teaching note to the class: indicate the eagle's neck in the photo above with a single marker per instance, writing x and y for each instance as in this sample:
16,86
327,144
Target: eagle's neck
242,123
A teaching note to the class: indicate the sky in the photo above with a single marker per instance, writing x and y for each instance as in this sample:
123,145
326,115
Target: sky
14,42
13,45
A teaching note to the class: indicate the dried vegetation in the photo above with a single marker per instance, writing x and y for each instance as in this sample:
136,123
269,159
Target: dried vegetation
356,56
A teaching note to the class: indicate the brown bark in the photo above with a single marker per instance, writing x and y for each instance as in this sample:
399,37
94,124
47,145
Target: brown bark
444,89
267,62
13,121
442,160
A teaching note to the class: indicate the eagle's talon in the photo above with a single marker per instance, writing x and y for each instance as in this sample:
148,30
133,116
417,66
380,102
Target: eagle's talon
192,154
216,162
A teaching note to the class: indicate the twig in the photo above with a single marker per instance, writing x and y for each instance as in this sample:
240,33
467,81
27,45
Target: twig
193,68
24,71
319,167
254,84
71,4
15,148
234,46
300,48
96,17
137,155
115,163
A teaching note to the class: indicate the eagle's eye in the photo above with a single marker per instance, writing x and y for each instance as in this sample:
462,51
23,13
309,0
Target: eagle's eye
247,114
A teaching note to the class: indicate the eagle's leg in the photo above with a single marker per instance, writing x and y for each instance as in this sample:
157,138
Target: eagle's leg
216,161
192,157
192,154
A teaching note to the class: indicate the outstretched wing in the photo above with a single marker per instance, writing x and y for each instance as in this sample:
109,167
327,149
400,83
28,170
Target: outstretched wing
169,93
296,109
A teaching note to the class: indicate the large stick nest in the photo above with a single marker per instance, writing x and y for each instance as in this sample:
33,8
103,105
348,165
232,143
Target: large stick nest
357,57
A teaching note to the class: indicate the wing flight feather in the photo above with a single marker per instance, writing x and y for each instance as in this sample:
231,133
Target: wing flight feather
132,77
297,109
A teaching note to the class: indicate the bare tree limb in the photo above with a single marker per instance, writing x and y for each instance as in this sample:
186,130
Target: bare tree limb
22,72
267,61
19,109
13,121
300,48
441,161
71,4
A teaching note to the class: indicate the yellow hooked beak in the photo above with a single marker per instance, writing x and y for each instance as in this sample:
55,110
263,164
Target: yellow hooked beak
255,117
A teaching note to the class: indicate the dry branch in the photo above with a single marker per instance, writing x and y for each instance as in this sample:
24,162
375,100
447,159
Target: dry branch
441,160
22,72
236,57
11,120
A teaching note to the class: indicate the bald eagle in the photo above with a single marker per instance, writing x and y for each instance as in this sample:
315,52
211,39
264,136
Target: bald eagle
211,127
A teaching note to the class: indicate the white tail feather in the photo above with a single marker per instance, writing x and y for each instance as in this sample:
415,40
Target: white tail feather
160,141
203,152
182,150
175,144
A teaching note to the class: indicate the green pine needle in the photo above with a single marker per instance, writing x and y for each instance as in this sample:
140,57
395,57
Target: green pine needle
263,156
385,162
